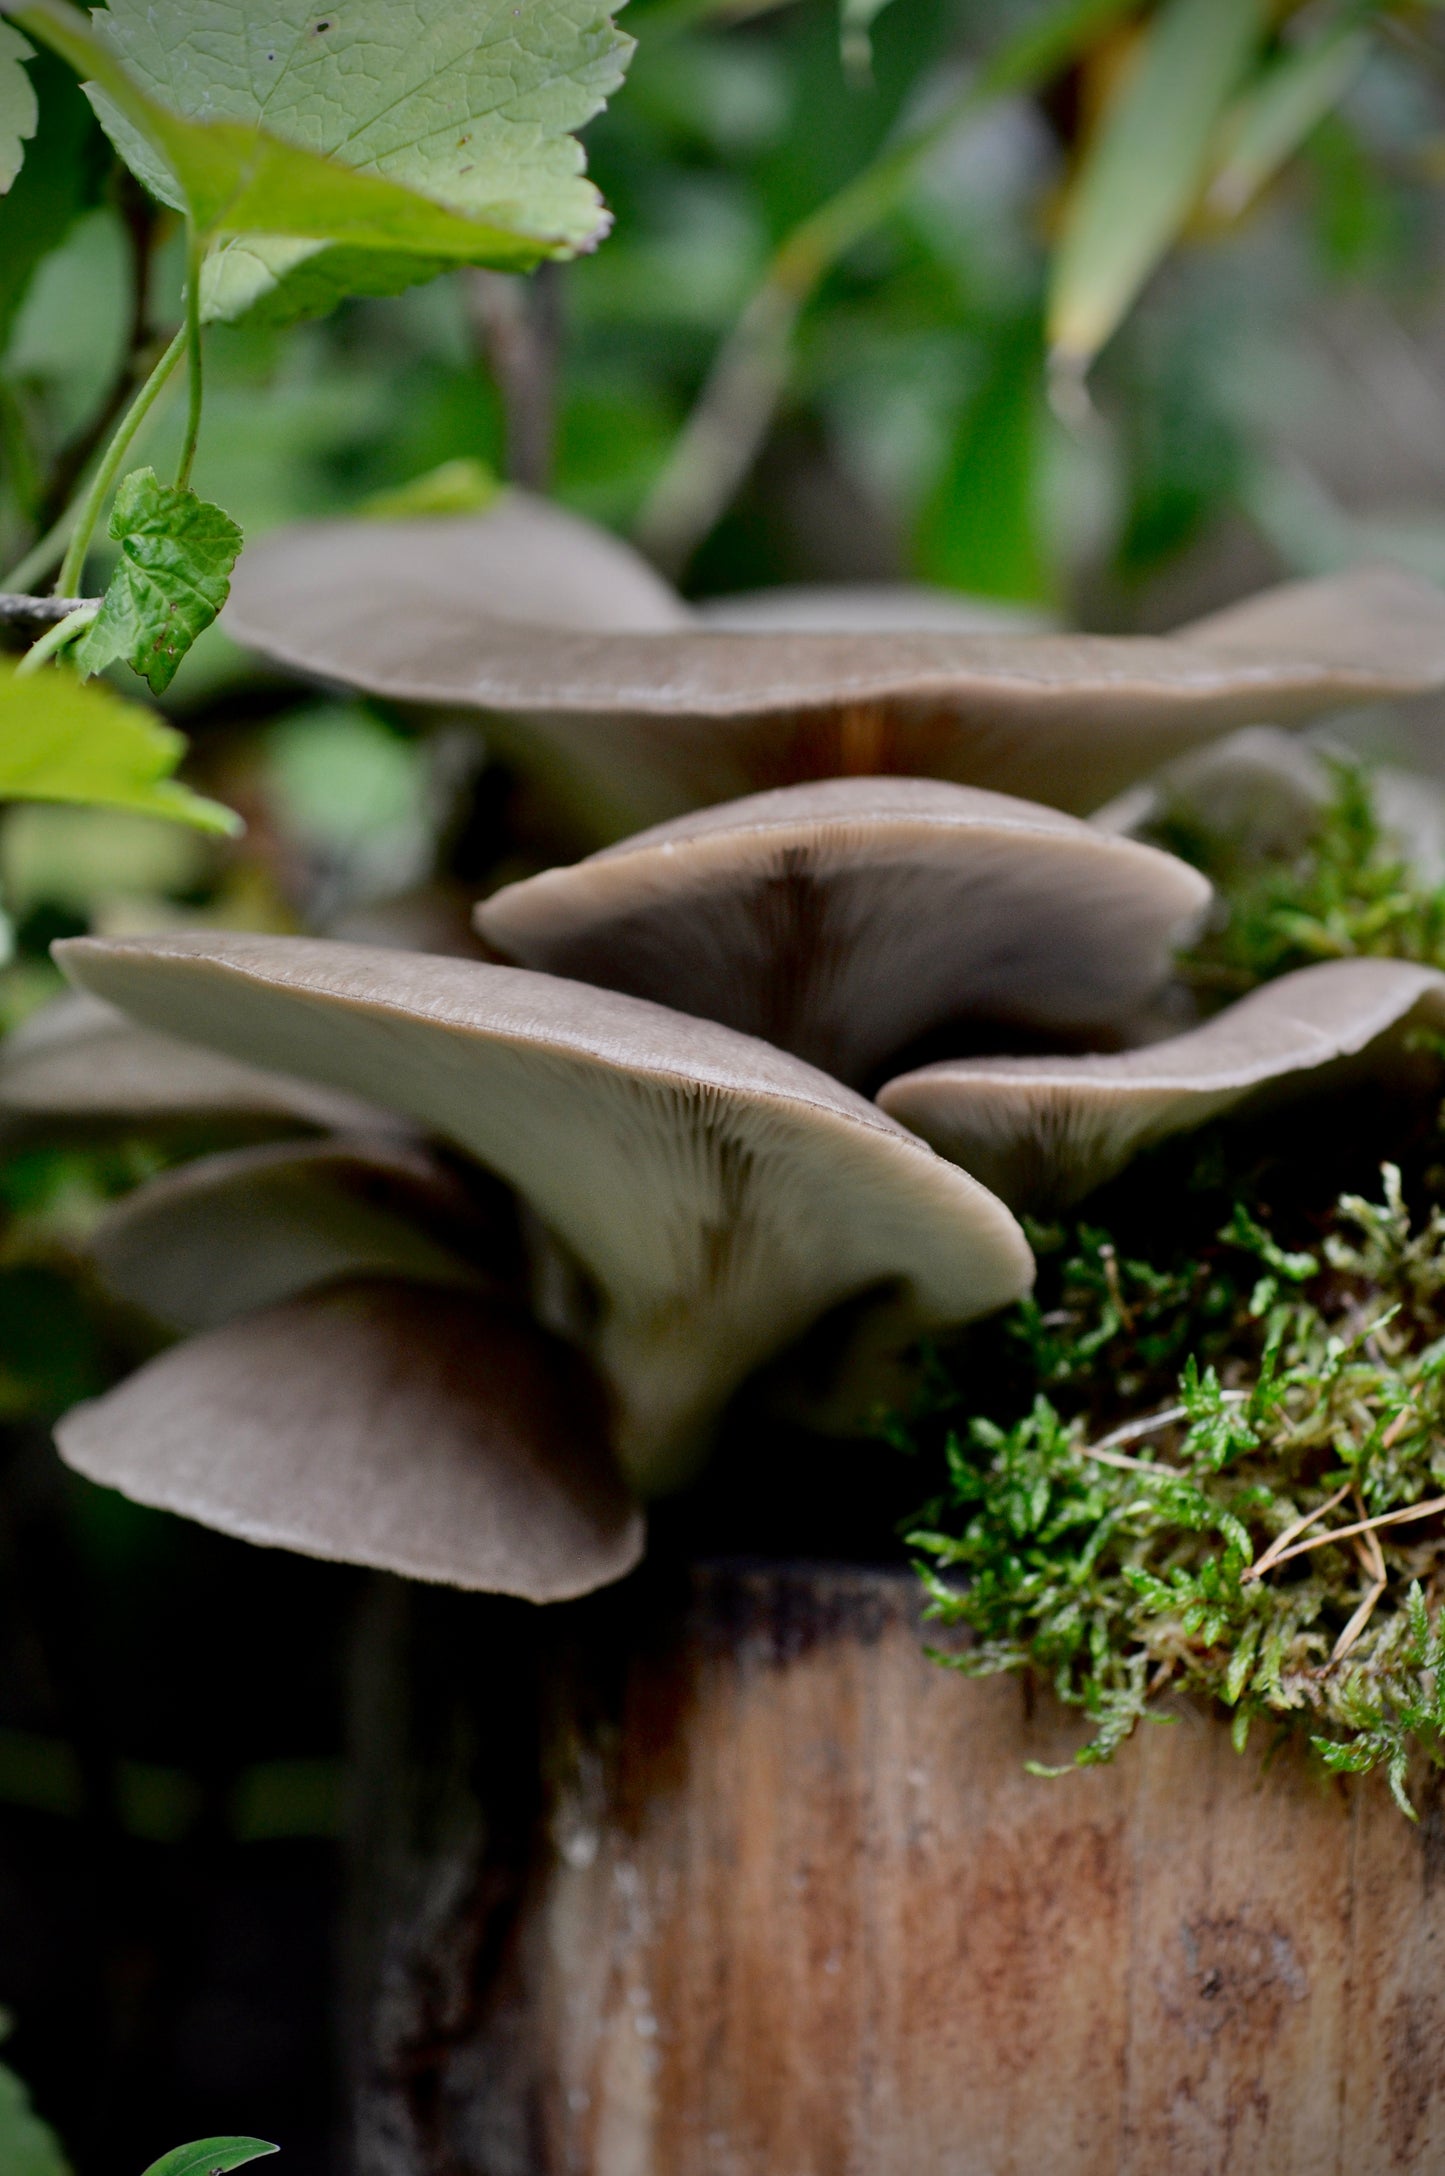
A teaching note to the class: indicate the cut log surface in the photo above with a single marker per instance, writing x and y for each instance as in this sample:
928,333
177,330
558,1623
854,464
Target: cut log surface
736,1882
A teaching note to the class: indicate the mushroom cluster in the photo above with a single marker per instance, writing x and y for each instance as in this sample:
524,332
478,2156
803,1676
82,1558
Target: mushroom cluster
505,1236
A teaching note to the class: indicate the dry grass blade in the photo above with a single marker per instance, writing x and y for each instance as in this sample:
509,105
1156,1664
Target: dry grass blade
1292,1532
1360,1526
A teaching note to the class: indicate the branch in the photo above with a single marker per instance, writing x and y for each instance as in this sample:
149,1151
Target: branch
32,615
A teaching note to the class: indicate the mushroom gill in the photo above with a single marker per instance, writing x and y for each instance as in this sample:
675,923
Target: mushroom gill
1043,1132
719,1195
844,921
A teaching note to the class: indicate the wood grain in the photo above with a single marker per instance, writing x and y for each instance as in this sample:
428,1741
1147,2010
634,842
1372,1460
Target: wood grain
729,1880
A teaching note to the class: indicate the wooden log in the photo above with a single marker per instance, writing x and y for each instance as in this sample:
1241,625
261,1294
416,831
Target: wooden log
730,1880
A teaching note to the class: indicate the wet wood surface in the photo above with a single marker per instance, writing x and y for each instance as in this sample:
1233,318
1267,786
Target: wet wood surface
732,1881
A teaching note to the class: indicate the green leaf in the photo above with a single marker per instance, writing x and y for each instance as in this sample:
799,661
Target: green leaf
173,576
1275,116
28,2147
19,112
61,177
981,531
210,2157
62,739
1144,169
452,122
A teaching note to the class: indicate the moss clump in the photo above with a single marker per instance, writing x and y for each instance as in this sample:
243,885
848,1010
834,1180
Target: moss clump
1208,1454
1188,1548
1347,894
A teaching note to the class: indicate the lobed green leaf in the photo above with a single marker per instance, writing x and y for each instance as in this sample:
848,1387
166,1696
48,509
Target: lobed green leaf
321,154
19,112
172,578
64,739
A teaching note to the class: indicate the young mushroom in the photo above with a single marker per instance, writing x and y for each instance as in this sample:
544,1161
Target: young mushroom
1043,1132
631,719
718,1196
411,1426
844,921
229,1233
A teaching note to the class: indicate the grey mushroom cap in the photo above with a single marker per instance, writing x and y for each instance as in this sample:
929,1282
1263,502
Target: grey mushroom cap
845,920
719,1195
882,607
80,1061
1043,1132
633,726
231,1233
1261,791
415,1428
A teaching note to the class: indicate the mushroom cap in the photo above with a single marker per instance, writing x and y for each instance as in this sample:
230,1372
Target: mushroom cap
634,727
420,1429
79,1060
1261,791
227,1234
882,607
720,1195
1043,1132
844,920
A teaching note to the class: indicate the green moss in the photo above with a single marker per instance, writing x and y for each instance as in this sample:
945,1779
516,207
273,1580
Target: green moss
1346,894
1238,1347
1131,1562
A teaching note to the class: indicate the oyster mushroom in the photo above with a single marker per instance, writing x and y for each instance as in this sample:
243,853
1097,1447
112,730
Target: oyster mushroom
229,1233
1043,1132
410,1426
631,720
78,1061
719,1196
842,921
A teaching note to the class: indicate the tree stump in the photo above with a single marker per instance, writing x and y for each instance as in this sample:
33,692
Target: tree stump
725,1878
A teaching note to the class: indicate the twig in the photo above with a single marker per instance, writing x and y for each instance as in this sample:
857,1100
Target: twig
1357,1623
1397,1427
1108,1454
1301,1525
1132,1430
35,614
1106,1457
1360,1526
518,323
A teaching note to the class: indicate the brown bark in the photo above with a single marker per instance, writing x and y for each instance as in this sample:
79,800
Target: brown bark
732,1881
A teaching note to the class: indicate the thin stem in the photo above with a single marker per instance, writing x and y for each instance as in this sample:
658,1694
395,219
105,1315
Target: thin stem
55,638
93,503
194,254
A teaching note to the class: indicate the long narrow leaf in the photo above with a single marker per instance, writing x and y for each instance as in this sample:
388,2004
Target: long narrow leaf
1143,172
1273,119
